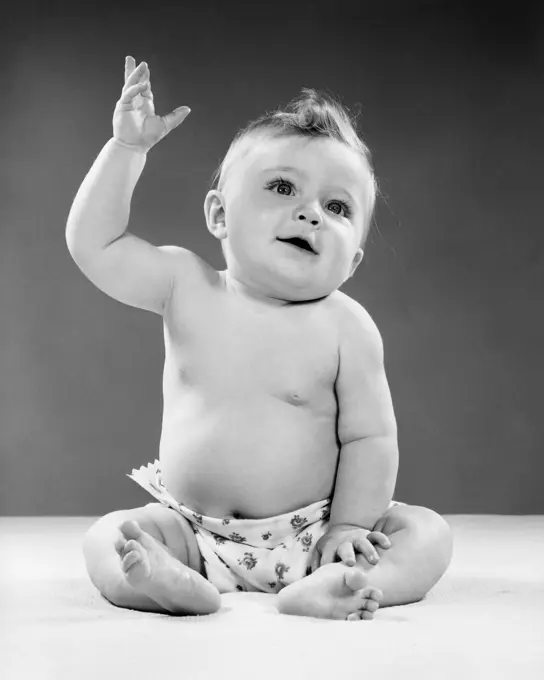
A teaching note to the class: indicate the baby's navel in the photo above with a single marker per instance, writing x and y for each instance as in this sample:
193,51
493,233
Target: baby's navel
295,398
290,396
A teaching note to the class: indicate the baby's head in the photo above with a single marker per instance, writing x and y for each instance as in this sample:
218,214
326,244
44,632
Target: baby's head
298,173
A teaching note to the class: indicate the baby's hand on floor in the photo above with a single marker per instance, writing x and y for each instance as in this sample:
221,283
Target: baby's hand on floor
343,541
134,121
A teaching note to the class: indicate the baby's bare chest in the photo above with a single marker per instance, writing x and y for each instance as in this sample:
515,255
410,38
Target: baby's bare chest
231,352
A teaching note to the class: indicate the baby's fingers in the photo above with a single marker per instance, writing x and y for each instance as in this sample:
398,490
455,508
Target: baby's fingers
366,548
172,120
129,94
137,74
346,553
130,65
381,539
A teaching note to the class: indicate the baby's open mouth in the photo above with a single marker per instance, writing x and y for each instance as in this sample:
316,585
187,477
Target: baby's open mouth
299,243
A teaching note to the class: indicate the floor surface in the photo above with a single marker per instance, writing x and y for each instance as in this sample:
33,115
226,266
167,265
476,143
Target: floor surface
484,619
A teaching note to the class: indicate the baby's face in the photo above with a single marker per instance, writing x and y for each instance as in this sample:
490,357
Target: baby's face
292,187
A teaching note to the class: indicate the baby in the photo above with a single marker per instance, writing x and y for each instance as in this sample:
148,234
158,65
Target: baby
278,452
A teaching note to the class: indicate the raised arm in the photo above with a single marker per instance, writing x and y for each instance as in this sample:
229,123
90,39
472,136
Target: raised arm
120,264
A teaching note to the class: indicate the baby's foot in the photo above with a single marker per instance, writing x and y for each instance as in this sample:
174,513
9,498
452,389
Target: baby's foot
151,569
333,591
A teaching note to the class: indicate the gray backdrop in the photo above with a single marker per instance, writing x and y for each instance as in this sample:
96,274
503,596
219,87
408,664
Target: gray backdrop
452,108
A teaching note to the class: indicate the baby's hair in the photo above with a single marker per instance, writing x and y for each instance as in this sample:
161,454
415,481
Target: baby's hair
312,114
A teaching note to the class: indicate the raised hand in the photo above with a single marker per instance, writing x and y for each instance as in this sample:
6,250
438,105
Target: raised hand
134,121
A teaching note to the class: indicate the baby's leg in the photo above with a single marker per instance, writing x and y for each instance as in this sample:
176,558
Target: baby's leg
148,559
421,550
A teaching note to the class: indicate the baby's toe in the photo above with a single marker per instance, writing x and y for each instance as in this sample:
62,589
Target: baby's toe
130,559
353,617
355,579
374,594
370,606
130,529
130,546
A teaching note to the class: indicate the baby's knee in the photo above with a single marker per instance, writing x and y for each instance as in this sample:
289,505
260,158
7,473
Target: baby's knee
101,537
435,532
104,530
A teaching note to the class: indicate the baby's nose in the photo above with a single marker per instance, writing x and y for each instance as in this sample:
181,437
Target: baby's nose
312,216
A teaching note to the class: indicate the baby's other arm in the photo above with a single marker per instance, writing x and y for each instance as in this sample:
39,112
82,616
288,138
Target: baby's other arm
367,428
120,264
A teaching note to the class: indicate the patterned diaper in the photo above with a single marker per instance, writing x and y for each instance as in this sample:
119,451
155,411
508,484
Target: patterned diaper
259,555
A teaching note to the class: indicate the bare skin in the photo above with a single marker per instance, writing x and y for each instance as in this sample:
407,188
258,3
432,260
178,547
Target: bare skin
334,591
249,402
151,569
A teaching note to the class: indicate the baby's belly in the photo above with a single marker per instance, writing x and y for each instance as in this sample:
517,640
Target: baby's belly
252,458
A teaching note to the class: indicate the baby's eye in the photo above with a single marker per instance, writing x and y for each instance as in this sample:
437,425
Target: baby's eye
279,183
285,185
346,207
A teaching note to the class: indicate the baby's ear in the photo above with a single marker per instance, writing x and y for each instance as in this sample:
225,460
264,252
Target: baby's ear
214,211
356,262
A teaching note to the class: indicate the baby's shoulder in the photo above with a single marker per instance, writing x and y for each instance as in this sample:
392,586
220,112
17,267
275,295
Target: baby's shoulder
354,325
193,274
349,312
